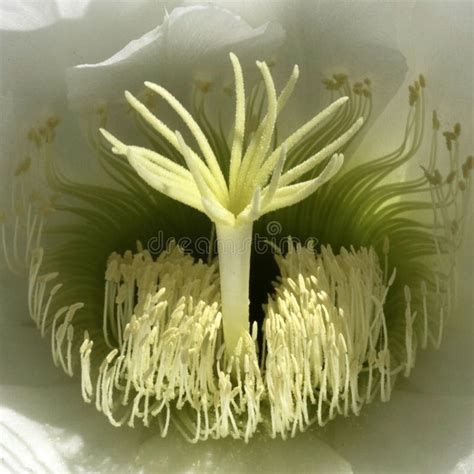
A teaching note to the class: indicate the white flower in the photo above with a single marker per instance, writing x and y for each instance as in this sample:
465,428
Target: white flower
45,425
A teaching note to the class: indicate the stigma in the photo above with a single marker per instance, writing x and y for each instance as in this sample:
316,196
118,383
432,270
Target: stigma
256,183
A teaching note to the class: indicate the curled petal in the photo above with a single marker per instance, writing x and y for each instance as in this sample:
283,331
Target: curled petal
201,36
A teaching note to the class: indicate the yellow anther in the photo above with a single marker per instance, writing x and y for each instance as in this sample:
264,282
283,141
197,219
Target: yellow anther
329,84
449,135
438,179
467,166
450,177
462,185
340,77
457,129
434,179
413,95
23,167
52,122
3,217
271,62
204,86
422,81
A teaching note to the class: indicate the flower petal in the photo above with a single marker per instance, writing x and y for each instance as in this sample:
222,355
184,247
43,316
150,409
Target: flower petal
24,15
323,38
194,40
57,432
412,433
26,447
63,38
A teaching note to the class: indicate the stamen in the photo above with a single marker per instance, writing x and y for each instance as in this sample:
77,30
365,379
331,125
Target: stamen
318,351
170,346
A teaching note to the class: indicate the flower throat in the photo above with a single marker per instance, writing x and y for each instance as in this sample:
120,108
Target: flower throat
169,340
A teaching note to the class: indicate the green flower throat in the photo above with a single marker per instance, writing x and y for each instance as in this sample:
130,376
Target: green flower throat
249,340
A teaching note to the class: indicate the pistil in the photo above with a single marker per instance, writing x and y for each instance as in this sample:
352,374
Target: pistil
256,185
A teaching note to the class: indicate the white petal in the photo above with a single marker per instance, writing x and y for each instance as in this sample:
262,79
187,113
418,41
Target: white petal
192,43
464,466
26,446
34,62
59,433
449,370
24,15
359,38
411,433
303,454
436,39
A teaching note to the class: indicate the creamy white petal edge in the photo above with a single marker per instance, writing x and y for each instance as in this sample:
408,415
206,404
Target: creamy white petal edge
200,36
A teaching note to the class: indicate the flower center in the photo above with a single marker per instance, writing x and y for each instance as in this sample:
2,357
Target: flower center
256,183
170,341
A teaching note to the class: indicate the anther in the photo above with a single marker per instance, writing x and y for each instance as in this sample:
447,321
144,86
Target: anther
450,177
23,167
204,86
52,122
33,136
457,129
436,123
437,178
412,96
